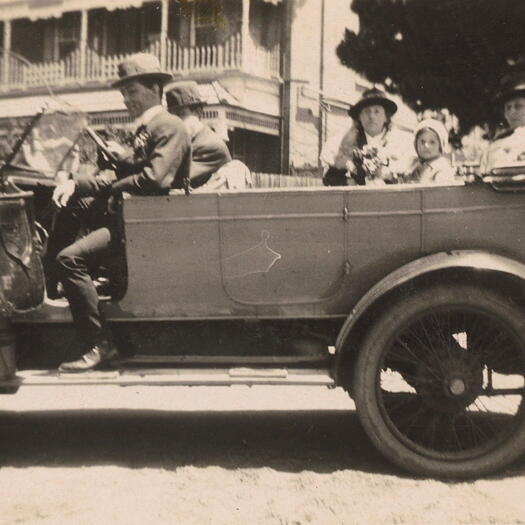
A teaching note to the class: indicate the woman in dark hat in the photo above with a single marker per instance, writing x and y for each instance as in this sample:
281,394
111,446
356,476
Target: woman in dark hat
509,146
372,149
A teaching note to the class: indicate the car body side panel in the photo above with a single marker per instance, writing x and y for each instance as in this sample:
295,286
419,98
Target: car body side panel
474,217
295,253
172,249
480,261
223,255
280,249
383,232
394,226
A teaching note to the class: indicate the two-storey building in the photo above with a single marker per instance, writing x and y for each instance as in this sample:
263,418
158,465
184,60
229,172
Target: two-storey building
267,68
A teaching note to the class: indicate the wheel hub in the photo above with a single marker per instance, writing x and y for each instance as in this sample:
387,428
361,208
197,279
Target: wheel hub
451,384
456,386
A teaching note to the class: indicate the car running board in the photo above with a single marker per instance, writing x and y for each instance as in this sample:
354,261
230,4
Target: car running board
175,377
225,360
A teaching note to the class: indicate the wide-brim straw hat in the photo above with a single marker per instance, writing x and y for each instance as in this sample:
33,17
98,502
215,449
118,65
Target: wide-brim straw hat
372,97
183,93
141,65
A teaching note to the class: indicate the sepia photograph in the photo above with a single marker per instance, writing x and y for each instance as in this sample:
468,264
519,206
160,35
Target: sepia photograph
262,262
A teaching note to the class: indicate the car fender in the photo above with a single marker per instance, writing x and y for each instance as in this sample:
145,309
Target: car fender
467,259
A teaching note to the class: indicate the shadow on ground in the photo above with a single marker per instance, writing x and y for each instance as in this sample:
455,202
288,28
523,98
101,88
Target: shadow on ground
288,441
320,441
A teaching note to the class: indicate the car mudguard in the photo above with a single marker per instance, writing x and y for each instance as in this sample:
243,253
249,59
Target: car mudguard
474,260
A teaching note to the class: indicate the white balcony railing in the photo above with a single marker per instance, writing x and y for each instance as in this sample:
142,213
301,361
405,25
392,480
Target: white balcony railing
95,68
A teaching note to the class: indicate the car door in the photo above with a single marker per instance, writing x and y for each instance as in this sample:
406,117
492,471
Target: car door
282,247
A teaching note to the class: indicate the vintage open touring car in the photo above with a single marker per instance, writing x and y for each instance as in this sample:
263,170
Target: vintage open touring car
409,297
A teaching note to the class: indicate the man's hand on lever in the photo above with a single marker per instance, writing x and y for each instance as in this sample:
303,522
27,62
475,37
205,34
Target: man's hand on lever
111,154
63,192
118,151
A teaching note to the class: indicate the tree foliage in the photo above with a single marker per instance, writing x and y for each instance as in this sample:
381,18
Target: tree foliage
438,53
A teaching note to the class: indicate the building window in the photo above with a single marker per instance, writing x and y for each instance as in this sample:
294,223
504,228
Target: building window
265,23
67,35
150,30
206,21
97,31
31,39
202,22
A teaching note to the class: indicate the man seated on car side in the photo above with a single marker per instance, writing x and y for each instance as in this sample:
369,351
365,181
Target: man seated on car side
160,161
209,151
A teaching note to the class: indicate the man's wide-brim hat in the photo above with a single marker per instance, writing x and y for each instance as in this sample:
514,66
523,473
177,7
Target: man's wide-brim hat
141,65
372,97
510,86
183,93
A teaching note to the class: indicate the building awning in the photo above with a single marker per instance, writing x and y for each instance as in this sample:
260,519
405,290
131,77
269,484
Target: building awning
106,107
99,101
35,9
93,101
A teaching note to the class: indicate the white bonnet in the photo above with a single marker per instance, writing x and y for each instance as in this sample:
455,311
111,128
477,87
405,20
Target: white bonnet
438,128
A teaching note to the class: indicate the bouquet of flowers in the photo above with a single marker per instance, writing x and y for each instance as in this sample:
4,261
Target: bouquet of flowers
367,164
371,165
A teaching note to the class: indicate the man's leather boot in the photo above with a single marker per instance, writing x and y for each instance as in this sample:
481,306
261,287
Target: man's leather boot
98,354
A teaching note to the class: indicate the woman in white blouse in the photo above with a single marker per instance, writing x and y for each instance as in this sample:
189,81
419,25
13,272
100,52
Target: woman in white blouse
372,127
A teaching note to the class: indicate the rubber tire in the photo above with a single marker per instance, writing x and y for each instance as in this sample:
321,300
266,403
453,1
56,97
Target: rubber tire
369,358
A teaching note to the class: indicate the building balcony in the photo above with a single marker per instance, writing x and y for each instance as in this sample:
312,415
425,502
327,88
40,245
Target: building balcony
88,68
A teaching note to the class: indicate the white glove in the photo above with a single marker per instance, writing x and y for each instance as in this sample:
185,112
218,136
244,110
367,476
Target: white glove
63,193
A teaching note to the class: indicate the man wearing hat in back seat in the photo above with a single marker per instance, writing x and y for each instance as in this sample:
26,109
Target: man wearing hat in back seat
209,151
160,161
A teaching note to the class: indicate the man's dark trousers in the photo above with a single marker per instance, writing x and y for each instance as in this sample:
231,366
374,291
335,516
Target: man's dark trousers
74,263
79,216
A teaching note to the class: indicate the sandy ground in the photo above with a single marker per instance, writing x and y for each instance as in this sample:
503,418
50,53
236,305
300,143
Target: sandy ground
262,455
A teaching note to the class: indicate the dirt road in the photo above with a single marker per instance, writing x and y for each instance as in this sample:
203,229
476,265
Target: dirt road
218,456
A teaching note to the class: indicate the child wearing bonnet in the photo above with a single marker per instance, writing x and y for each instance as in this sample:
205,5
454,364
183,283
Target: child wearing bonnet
431,143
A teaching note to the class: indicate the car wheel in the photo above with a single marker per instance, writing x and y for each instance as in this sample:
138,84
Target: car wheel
439,382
